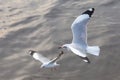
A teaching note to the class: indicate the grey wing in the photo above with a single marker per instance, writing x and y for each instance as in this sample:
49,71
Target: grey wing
40,58
79,30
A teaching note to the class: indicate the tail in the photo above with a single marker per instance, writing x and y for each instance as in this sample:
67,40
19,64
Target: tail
94,50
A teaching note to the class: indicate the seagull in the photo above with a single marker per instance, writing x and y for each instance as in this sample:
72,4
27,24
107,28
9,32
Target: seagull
46,63
79,44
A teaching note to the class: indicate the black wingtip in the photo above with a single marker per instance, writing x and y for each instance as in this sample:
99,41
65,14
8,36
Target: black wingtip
31,52
89,11
86,59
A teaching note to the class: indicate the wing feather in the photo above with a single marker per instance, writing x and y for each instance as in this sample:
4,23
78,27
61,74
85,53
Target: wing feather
56,58
79,30
40,58
77,52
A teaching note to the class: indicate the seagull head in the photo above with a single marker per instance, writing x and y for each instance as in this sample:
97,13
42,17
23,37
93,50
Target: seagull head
65,46
62,47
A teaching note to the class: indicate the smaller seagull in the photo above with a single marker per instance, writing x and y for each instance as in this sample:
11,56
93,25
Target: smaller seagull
46,63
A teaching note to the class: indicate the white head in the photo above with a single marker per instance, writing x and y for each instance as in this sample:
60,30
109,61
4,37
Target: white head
65,46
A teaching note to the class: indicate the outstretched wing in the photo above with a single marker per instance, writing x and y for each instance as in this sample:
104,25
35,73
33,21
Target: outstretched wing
40,58
56,58
79,28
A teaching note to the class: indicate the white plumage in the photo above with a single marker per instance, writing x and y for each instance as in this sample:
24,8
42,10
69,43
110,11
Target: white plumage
79,44
46,63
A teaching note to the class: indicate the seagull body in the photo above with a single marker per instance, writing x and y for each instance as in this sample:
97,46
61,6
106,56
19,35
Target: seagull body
46,63
79,44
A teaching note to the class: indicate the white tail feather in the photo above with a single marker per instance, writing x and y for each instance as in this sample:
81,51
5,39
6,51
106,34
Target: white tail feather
94,50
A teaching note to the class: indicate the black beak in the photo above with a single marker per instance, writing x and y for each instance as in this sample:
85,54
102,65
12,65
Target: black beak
59,47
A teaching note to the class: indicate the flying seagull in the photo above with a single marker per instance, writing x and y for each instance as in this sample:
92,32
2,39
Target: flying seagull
79,44
46,63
